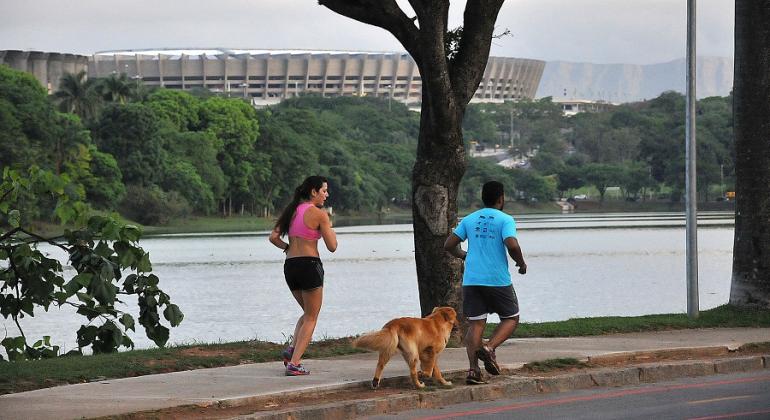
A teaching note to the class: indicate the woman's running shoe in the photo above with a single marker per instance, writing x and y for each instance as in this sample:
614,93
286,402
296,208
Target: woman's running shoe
296,370
287,355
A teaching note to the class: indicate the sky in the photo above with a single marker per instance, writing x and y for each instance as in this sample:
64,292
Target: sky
593,31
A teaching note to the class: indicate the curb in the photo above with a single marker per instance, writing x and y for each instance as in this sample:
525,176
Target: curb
506,386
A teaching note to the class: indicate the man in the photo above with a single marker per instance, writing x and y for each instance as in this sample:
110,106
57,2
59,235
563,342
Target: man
487,286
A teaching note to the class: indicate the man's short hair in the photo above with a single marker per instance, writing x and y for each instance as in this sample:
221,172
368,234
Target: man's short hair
491,192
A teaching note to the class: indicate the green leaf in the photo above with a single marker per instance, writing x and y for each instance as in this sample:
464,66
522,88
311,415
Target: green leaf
106,273
159,335
130,233
14,218
144,265
173,315
128,322
83,279
85,297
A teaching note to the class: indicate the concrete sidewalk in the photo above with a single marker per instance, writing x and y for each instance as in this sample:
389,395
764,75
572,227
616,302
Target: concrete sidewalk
229,385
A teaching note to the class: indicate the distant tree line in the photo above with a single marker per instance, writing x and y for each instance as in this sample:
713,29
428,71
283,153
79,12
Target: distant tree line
154,155
637,146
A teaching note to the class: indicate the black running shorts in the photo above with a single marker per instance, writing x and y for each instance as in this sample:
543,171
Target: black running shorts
303,273
478,301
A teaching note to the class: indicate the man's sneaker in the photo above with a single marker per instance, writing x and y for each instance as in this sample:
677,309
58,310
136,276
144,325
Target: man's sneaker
287,355
490,361
296,370
474,377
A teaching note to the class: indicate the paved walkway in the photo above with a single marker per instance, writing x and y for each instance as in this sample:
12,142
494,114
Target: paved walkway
206,386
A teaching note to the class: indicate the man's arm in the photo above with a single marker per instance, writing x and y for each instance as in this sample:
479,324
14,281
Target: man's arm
514,250
452,246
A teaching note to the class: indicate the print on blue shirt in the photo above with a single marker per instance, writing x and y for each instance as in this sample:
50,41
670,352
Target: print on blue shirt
487,261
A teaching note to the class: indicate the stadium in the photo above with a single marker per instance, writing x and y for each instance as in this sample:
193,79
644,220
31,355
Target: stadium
268,76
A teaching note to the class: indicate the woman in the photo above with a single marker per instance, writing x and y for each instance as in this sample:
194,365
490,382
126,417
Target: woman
305,223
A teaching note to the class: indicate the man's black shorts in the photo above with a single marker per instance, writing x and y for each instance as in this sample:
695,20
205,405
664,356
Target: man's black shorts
303,273
478,301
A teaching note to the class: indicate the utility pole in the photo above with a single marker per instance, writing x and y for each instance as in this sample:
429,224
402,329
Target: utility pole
691,193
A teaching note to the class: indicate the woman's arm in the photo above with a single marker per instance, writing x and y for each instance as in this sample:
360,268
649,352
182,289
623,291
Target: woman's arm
275,239
327,233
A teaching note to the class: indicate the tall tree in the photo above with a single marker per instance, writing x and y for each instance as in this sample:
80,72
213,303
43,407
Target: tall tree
451,65
751,108
78,94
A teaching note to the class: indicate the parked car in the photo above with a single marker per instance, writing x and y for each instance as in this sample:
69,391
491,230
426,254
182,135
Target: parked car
580,197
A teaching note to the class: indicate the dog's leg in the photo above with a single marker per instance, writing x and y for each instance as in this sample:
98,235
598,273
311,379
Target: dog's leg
437,374
411,357
383,360
426,362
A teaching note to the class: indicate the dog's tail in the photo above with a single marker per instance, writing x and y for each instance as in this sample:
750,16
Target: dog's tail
384,340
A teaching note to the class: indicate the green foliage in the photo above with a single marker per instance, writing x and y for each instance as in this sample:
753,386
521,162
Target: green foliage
153,206
132,134
104,189
78,94
178,108
100,250
27,118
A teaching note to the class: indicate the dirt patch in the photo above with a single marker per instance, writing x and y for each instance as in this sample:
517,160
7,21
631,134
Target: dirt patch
211,352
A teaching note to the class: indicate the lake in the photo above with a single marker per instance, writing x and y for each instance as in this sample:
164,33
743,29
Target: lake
231,287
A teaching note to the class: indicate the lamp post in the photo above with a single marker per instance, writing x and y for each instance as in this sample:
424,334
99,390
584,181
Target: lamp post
691,195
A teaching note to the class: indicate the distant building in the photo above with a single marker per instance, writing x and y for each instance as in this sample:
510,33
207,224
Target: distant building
268,76
47,67
575,106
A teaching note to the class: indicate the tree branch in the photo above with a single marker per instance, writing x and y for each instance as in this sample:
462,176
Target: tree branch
46,240
8,234
467,69
385,14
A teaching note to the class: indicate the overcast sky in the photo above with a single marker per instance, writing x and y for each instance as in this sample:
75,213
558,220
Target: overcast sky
595,31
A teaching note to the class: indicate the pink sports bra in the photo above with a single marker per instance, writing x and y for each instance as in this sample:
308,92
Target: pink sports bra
298,227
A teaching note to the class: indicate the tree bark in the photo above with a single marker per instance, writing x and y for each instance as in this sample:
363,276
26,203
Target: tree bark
751,108
447,87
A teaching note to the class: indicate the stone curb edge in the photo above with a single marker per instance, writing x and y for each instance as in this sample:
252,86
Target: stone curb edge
506,387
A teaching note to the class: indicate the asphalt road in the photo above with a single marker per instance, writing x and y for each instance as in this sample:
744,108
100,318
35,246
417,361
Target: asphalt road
741,396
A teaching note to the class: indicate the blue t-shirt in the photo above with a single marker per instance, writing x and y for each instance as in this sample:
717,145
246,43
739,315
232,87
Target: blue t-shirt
487,261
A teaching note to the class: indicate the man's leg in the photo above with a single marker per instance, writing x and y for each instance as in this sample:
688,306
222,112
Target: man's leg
504,329
473,341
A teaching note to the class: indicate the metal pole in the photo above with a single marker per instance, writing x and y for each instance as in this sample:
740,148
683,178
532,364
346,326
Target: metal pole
691,191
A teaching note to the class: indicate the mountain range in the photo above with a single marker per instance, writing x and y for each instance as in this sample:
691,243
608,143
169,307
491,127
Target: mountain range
633,82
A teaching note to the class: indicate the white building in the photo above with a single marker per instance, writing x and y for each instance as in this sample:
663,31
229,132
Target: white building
268,76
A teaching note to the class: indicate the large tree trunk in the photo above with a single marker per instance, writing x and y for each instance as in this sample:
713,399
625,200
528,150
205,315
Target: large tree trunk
436,178
448,84
751,108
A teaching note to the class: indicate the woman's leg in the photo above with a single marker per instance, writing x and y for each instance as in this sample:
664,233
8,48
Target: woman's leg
311,304
298,296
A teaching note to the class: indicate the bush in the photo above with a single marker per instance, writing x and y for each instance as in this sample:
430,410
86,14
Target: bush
153,206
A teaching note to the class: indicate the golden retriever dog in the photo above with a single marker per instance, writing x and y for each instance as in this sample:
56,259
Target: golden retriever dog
417,339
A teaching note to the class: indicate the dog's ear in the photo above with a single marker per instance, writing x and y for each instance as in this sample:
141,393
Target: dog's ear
448,314
435,309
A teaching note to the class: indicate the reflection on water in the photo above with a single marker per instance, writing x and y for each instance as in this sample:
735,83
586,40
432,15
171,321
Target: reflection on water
231,287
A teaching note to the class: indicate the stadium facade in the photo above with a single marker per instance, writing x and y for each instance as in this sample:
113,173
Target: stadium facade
267,76
47,67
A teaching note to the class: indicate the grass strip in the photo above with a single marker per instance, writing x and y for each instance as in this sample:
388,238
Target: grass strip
724,316
27,375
